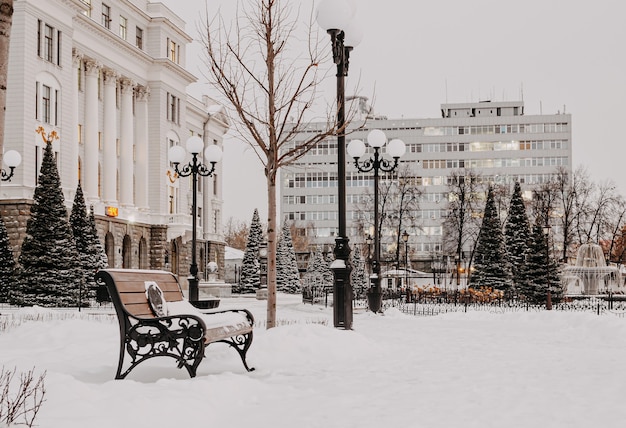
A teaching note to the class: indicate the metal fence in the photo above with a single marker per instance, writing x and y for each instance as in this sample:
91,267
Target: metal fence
430,304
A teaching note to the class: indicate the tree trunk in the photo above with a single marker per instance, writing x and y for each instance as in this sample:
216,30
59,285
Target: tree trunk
271,251
6,19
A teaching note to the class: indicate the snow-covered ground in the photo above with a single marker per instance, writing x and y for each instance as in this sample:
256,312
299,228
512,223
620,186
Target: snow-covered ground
480,369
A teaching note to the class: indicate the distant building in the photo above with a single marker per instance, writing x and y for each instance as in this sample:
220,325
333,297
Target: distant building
496,139
110,79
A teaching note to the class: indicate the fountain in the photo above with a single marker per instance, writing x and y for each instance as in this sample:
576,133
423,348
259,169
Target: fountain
590,275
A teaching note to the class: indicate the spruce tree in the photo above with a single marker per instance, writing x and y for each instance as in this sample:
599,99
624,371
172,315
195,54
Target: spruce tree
359,276
543,272
287,273
103,260
492,268
517,238
49,274
7,264
87,244
250,279
318,270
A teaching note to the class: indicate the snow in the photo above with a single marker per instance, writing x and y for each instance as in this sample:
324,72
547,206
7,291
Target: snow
475,369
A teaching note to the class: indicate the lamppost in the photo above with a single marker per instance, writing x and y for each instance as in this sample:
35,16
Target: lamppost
405,239
334,16
546,232
395,148
12,159
176,154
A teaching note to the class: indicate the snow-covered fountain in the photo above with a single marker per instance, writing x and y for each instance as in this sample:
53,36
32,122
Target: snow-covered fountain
590,274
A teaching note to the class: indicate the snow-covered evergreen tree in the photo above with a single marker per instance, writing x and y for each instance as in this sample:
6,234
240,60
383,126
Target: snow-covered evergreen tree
492,267
87,244
359,276
287,273
517,238
318,270
49,274
103,260
7,264
543,273
250,279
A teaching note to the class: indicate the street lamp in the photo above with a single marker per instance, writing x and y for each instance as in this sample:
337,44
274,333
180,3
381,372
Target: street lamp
395,148
176,154
546,231
12,159
405,239
334,16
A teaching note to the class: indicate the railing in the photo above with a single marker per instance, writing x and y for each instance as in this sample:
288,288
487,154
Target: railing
425,304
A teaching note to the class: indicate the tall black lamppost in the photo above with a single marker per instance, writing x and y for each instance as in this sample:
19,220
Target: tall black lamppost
546,231
396,148
334,17
213,154
12,159
405,239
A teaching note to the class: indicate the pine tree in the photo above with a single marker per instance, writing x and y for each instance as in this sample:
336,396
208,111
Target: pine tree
103,260
250,279
318,270
492,267
49,274
287,273
543,271
359,276
7,264
517,238
87,244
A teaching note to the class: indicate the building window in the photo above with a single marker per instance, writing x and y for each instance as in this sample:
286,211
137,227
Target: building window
173,51
173,108
123,27
45,104
47,43
139,37
58,48
87,12
106,16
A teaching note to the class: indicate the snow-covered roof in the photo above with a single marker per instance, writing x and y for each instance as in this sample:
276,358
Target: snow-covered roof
231,253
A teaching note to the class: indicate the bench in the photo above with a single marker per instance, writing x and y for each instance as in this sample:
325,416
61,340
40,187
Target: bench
168,325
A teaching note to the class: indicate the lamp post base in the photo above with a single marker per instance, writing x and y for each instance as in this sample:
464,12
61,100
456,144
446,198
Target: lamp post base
193,288
342,288
374,299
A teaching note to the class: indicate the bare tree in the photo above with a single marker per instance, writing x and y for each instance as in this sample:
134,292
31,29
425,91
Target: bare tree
236,233
268,85
6,20
462,224
399,208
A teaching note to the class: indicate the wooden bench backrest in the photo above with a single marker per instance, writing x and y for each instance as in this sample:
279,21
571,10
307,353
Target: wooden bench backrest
130,285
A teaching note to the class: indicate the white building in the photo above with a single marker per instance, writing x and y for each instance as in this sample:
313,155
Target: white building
109,77
495,139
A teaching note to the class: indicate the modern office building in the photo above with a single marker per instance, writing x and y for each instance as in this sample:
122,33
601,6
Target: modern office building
494,139
109,78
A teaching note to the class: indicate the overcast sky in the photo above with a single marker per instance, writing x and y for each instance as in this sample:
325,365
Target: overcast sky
559,55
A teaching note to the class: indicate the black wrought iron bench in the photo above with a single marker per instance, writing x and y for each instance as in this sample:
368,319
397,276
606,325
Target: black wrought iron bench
155,320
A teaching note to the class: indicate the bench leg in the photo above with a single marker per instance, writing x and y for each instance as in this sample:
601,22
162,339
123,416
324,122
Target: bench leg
241,343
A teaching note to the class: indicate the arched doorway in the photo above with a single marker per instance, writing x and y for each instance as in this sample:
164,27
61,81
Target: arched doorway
126,253
109,249
143,254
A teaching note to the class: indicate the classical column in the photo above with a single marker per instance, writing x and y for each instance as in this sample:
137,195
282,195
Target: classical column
90,164
109,149
141,146
126,143
71,163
